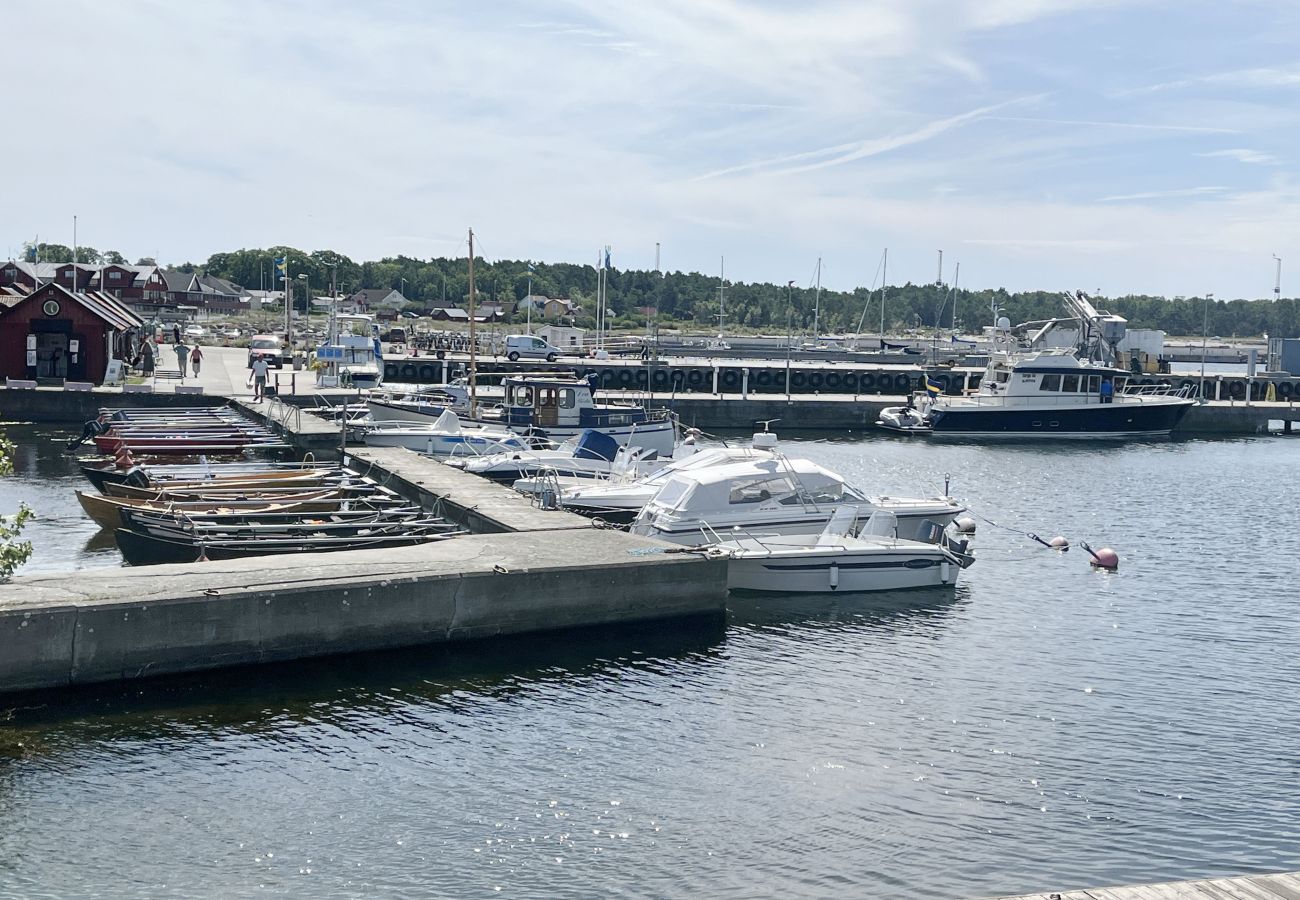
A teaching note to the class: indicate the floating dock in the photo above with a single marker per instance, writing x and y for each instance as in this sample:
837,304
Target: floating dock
529,571
1283,886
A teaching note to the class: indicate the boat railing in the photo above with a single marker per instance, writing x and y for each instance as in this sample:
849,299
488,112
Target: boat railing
1161,389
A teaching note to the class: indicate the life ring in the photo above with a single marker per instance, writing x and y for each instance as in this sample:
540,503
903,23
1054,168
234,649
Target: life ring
730,378
427,374
902,383
408,373
695,378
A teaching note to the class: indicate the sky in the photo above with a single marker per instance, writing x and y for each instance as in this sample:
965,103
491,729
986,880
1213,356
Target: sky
1120,146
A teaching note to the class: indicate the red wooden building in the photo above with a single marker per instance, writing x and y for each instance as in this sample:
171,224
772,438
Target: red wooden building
56,333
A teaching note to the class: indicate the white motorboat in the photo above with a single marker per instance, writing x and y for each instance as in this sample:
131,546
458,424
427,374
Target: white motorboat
554,409
837,560
593,455
779,495
619,500
444,437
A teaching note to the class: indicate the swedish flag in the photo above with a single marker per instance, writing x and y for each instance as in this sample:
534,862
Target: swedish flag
932,387
279,270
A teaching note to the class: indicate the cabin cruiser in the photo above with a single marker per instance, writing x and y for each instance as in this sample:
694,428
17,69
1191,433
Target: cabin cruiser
557,409
1056,394
838,560
443,437
352,357
1042,392
620,499
779,495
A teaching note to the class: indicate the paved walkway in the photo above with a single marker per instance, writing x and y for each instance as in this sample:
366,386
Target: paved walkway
225,372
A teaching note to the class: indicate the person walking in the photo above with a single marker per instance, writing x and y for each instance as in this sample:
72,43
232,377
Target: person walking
176,334
260,368
182,358
146,358
196,360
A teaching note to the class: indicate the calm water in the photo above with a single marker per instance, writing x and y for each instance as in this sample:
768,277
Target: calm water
1044,726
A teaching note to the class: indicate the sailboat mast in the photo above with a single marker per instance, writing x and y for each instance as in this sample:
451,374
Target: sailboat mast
473,347
884,280
722,291
817,303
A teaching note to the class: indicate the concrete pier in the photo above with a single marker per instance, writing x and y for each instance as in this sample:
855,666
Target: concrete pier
532,571
62,630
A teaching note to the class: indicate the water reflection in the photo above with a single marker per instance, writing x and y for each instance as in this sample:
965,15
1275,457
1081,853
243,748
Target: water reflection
333,689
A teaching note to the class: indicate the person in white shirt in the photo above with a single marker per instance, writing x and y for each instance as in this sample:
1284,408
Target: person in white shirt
260,367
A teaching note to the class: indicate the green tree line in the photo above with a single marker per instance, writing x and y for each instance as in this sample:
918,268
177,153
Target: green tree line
691,299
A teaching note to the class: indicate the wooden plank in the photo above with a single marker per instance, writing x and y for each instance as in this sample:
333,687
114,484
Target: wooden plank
1279,885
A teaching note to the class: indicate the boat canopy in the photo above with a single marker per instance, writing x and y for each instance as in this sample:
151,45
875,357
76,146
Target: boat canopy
787,482
595,445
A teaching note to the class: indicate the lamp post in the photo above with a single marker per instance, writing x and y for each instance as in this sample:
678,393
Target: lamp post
1277,282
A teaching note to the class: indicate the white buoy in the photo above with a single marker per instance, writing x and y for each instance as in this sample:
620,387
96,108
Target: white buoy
966,525
1059,543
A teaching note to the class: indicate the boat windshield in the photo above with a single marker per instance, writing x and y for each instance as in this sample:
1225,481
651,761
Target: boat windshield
673,493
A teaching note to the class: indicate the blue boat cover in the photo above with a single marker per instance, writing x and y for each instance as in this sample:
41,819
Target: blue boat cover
596,445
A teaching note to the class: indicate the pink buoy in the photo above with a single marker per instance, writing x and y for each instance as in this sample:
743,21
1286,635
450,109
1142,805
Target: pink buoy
1105,558
1059,543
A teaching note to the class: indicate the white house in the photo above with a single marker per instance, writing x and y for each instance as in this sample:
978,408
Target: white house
563,336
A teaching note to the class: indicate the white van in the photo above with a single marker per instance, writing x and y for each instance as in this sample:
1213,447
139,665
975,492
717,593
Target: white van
528,347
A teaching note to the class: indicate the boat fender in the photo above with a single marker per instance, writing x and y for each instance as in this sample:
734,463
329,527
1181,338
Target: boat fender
1284,389
835,576
902,383
866,381
408,372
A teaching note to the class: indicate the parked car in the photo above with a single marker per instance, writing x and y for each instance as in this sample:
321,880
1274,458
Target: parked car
529,347
194,331
268,347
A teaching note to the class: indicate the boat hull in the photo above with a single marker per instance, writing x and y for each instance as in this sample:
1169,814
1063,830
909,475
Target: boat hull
845,572
1103,421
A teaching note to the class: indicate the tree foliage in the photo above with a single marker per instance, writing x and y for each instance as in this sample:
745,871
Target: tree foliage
691,298
13,552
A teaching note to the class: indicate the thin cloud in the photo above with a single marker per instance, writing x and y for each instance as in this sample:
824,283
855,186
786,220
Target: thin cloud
1140,126
1243,155
1206,191
1263,77
843,153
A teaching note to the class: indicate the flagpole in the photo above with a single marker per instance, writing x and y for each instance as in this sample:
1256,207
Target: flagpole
473,348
